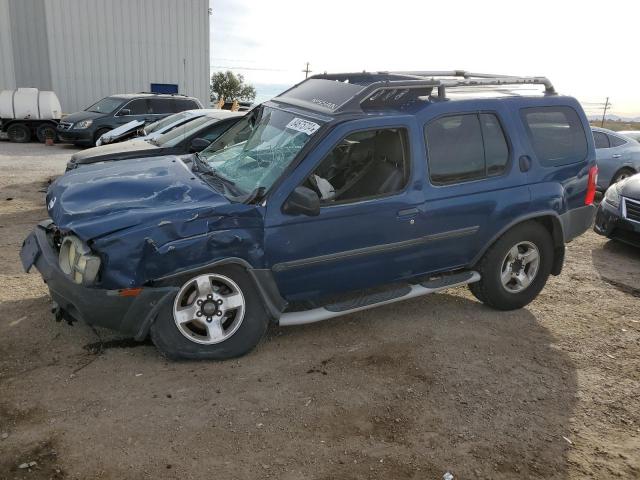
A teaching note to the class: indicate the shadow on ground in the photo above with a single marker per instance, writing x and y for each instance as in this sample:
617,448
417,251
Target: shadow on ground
618,264
405,391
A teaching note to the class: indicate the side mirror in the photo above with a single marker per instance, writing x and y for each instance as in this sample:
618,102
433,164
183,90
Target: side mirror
198,144
302,201
123,112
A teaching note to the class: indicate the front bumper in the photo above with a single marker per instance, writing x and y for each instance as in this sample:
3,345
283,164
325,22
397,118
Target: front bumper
79,137
131,315
610,223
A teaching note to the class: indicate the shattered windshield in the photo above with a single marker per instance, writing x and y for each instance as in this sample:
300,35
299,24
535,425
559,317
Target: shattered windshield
254,152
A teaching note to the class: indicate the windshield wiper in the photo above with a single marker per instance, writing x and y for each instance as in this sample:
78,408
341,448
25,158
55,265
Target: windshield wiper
205,169
255,196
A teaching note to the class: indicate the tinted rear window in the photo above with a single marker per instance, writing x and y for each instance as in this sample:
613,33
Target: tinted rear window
556,134
185,104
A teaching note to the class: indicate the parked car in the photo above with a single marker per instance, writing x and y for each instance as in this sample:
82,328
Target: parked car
618,215
618,157
345,192
190,137
86,127
634,134
151,131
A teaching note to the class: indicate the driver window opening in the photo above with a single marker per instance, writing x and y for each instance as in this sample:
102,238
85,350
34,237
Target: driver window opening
363,165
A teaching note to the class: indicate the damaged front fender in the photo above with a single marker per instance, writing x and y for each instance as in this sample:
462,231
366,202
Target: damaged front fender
137,256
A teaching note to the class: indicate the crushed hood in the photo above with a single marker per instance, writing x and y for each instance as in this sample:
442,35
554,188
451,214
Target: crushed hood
100,199
631,187
115,151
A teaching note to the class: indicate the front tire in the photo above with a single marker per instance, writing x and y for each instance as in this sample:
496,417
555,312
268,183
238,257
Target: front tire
622,175
215,315
515,268
98,134
19,133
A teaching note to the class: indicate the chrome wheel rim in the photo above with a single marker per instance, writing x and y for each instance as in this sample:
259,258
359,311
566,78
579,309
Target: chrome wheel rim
209,309
520,267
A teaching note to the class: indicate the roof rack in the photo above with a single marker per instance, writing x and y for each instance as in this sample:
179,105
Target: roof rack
400,87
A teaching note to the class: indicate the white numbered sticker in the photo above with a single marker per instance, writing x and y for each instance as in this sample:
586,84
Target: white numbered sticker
303,126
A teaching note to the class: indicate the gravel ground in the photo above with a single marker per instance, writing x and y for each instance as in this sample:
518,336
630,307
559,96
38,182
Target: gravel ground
407,391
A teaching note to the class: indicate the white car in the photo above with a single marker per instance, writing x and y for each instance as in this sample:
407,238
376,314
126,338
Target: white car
635,134
153,130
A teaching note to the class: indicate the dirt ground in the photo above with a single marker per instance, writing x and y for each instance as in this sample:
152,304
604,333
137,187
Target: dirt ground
407,391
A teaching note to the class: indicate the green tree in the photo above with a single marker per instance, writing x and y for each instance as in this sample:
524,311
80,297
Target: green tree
231,87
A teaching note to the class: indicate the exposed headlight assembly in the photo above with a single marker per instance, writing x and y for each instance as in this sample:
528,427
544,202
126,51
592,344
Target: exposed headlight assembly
77,261
612,196
83,124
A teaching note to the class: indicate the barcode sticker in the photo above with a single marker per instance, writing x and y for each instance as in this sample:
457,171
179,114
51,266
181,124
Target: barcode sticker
303,126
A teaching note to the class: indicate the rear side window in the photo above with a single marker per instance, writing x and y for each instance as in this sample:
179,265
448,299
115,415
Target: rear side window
181,104
601,140
137,107
556,134
160,106
616,141
465,147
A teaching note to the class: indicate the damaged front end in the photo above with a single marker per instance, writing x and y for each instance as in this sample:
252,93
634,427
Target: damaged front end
119,231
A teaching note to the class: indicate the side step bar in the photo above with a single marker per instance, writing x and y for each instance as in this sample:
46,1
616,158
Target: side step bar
370,301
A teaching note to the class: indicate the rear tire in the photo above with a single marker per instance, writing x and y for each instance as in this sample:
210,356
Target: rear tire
45,131
194,326
19,133
515,268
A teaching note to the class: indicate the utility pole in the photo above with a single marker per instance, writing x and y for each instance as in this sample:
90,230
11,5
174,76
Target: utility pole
306,71
606,105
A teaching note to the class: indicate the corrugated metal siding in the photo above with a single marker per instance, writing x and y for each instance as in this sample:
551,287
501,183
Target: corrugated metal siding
29,42
101,47
7,72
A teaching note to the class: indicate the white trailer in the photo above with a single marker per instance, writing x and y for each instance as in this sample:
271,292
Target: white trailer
27,113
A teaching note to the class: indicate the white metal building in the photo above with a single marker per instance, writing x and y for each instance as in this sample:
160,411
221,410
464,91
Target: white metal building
85,50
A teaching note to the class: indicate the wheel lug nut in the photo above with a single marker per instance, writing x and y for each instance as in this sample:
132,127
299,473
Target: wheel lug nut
219,313
219,302
209,319
199,302
209,296
198,314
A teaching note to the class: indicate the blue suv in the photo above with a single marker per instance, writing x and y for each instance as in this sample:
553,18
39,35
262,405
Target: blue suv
345,192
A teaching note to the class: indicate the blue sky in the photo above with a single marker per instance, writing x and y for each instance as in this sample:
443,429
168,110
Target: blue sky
587,52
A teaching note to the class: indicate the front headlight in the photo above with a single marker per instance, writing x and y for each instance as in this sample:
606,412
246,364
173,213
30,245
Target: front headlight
83,124
77,261
612,196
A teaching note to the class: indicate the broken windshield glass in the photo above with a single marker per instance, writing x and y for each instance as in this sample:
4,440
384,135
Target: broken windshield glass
254,152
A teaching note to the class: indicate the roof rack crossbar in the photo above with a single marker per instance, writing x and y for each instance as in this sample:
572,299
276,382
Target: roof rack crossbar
441,79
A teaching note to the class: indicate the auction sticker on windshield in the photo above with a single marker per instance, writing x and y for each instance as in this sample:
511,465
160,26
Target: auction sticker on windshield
303,126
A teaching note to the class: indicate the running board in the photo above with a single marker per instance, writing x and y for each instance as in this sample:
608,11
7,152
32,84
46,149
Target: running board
378,299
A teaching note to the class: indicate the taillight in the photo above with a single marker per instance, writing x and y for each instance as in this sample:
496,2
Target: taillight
591,185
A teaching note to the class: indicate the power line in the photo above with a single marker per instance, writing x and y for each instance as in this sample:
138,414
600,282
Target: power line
228,67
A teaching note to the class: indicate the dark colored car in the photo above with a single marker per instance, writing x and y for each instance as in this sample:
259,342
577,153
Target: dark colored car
86,127
189,137
618,216
345,192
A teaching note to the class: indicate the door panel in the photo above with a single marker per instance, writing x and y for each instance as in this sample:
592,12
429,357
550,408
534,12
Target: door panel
348,246
479,206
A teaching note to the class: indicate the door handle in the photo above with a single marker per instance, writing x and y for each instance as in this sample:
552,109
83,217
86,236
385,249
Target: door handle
617,155
525,163
409,212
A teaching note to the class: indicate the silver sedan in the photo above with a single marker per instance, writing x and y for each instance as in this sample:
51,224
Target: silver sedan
617,156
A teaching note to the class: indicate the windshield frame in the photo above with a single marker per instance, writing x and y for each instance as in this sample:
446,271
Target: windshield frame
326,122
